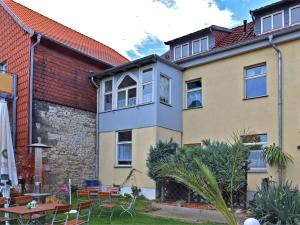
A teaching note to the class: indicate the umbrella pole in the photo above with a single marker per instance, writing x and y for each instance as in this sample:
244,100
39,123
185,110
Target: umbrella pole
6,194
72,211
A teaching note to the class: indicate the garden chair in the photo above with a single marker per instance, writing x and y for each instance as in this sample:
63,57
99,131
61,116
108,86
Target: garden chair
129,208
83,214
106,205
23,201
60,215
83,195
4,201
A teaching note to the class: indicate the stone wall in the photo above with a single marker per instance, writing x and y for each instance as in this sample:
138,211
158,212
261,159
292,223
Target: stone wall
71,133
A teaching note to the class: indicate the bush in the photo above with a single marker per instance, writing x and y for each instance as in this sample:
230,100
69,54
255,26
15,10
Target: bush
276,204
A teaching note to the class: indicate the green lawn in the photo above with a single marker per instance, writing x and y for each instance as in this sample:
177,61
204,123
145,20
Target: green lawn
140,218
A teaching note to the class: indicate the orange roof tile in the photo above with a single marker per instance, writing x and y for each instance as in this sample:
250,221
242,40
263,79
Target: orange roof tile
65,35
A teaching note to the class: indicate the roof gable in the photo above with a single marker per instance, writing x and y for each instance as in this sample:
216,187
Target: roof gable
64,35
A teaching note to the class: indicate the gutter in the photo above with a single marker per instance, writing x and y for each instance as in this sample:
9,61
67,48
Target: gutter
31,85
279,63
97,127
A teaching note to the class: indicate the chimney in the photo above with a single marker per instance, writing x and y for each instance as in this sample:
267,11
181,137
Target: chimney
245,26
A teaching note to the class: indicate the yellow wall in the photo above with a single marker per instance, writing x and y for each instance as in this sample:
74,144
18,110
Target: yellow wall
6,83
142,139
225,112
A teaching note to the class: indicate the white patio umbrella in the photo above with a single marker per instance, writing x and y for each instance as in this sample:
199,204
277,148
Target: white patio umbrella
8,171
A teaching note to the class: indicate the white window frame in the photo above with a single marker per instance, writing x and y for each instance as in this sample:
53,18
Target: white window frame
170,87
192,90
126,90
3,67
272,23
104,93
143,84
180,46
123,142
200,47
290,15
257,143
250,78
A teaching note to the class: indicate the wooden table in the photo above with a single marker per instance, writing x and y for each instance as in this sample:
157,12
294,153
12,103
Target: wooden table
21,211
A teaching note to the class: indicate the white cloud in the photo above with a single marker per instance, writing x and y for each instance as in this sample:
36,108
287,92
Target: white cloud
124,24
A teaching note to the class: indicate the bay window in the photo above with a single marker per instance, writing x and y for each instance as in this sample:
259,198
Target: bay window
124,148
147,80
164,89
127,92
108,95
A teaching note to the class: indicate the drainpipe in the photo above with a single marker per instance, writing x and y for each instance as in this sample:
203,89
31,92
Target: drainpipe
279,62
31,86
97,127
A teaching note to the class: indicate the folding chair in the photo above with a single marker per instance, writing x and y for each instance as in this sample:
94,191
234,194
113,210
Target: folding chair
106,205
60,215
129,208
4,201
83,195
83,214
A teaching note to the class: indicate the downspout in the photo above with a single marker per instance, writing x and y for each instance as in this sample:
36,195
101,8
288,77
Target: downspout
279,62
97,126
31,86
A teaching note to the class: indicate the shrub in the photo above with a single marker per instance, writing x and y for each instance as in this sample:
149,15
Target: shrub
273,204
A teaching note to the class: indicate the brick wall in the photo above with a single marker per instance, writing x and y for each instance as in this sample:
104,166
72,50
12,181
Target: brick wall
15,48
60,77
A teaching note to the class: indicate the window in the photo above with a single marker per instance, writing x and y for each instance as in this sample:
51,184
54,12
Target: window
200,45
147,75
108,95
181,51
194,94
164,89
124,147
3,67
127,92
255,82
295,15
256,144
272,22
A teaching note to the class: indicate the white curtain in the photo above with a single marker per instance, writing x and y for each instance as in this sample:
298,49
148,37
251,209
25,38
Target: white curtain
194,98
257,159
124,152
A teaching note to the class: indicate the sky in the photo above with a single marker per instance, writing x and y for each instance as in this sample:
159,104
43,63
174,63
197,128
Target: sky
137,28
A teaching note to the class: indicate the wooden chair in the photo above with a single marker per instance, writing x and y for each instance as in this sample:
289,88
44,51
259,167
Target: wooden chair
83,214
60,215
83,195
115,191
106,205
4,201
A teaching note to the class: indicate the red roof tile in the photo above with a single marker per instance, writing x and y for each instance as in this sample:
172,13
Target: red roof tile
64,35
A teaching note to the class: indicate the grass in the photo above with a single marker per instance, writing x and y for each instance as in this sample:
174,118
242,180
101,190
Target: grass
140,218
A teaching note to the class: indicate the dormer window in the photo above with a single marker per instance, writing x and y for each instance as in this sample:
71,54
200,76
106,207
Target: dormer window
181,51
127,92
272,22
200,45
295,15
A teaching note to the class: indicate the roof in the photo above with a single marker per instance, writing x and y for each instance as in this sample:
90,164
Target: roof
274,5
135,64
199,32
64,35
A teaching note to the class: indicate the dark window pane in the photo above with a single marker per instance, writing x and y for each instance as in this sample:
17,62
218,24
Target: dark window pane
194,84
256,87
127,82
194,99
185,50
196,46
108,102
295,15
121,99
277,21
108,86
124,136
132,96
267,25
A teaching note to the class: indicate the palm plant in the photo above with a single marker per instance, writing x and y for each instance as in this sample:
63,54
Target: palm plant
201,180
276,157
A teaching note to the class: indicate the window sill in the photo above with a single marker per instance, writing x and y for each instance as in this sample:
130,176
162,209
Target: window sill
200,107
166,104
263,96
128,107
121,166
258,170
